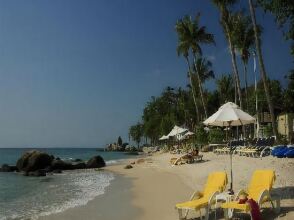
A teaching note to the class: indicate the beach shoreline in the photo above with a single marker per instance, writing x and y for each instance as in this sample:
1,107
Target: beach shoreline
156,186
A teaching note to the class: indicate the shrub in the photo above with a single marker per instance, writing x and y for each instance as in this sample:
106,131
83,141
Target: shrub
216,136
201,136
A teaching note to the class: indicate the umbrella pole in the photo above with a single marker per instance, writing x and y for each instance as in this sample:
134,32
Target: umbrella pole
231,165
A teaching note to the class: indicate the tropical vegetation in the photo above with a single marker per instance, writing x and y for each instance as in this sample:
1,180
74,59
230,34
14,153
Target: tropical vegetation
189,106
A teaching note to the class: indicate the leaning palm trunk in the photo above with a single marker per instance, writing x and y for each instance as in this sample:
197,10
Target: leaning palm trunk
262,69
200,88
192,88
236,73
246,83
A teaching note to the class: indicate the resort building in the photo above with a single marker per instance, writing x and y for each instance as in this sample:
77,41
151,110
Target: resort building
285,123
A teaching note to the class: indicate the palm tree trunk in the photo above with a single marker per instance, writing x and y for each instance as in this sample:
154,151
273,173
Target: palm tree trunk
200,88
235,69
192,88
262,69
246,83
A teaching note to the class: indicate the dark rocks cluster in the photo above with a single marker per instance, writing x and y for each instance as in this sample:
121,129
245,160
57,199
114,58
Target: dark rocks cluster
36,163
125,147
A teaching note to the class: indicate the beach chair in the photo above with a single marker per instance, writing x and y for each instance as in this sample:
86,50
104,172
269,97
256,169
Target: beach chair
259,190
216,183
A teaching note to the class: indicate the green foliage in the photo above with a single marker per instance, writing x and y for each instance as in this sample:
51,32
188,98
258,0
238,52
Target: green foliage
136,133
191,35
201,136
178,106
288,96
225,88
283,11
216,136
268,130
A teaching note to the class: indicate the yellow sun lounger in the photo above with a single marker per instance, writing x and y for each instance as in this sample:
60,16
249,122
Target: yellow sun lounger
259,190
215,184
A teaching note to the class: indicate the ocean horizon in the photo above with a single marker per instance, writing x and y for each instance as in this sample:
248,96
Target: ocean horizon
31,197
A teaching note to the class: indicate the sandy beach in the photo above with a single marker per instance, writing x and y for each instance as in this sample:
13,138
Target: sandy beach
155,187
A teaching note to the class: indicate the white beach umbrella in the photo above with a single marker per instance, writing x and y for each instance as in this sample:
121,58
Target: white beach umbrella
164,137
189,133
186,135
177,131
229,115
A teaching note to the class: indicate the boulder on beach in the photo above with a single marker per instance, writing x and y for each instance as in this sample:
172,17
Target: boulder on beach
8,168
33,160
128,166
96,162
61,165
81,165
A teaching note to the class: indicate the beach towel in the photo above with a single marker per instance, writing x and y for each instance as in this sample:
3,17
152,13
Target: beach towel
254,209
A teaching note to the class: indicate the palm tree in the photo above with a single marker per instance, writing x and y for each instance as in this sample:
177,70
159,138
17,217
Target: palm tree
225,88
245,42
183,49
227,22
203,71
262,68
194,35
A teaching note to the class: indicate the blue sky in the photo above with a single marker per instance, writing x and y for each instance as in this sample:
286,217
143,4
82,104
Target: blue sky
78,73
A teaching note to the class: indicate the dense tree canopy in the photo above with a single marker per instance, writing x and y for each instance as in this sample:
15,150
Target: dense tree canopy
188,107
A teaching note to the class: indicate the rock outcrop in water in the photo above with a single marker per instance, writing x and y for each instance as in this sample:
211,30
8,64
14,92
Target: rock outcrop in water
36,163
8,168
96,162
33,160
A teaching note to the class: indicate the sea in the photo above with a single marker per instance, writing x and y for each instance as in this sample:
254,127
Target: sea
31,197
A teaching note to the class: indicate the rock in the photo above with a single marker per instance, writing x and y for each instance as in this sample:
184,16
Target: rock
140,161
57,171
79,166
23,160
128,166
37,173
77,160
133,162
95,162
61,165
8,168
33,160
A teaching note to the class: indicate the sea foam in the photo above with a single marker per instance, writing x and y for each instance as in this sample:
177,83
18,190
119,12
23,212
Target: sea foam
57,193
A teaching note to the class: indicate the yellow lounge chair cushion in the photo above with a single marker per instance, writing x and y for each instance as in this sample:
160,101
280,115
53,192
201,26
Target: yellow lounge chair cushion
217,181
194,204
261,180
234,205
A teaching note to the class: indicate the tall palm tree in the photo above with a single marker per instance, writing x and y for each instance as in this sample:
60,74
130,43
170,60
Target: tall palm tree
194,35
227,21
245,42
262,68
183,49
203,71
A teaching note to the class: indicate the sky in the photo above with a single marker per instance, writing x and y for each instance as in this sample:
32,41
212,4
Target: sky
77,73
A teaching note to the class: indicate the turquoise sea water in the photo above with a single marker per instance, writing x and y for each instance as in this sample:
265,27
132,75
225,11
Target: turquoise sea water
29,197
